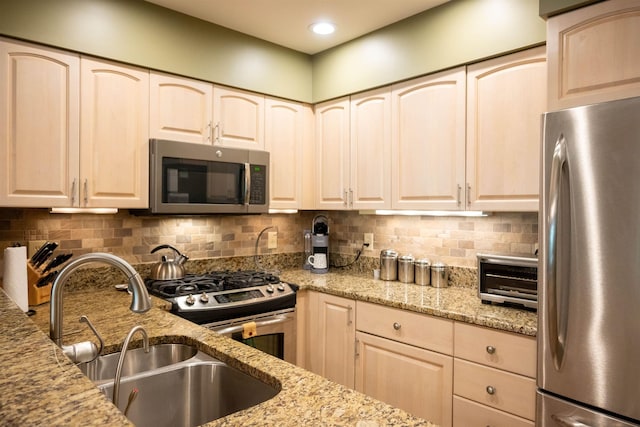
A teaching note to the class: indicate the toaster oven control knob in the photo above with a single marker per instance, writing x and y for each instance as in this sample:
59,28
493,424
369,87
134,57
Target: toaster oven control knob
190,300
281,287
269,289
204,298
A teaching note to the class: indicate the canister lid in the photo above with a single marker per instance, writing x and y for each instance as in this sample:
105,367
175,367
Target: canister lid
406,257
438,266
388,253
422,262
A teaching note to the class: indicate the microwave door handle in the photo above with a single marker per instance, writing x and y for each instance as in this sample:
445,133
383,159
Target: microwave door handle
556,337
247,183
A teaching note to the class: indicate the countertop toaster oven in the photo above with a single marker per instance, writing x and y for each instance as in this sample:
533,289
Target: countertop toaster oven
508,280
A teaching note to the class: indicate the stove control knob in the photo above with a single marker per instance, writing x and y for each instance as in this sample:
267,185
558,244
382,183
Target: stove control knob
269,289
190,300
281,287
204,298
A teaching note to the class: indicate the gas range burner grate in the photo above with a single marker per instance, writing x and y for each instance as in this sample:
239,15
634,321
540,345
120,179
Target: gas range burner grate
214,281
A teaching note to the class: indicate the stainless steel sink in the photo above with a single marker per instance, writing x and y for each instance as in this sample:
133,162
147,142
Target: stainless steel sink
136,361
189,393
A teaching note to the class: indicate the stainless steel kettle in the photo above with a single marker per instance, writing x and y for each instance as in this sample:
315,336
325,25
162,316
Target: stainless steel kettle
168,269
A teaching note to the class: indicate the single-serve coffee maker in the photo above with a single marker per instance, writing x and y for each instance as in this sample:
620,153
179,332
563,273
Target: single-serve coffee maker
319,260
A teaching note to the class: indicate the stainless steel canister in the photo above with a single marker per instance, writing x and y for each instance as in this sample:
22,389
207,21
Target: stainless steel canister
405,268
439,275
388,264
422,271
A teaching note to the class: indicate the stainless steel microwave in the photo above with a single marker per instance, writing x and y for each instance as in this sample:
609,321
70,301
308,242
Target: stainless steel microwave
190,178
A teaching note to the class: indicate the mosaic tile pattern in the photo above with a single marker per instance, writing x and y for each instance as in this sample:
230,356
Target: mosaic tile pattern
454,241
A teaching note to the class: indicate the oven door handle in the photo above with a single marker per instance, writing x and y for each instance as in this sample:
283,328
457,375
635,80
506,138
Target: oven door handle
225,330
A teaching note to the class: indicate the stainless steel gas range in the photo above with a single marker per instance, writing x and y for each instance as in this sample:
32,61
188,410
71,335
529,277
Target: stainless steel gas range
253,307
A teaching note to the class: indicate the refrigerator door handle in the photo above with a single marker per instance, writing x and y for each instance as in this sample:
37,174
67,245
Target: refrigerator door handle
567,421
556,337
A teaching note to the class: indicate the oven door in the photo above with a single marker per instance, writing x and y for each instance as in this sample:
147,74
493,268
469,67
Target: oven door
275,332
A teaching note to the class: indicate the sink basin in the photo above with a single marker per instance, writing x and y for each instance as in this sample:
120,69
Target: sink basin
189,394
136,361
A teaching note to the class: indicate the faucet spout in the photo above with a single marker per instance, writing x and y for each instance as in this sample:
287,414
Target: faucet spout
123,353
140,302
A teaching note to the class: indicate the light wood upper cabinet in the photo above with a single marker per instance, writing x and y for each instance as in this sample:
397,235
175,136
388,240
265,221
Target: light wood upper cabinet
114,151
180,109
594,54
506,97
370,150
238,118
284,139
39,125
428,142
332,154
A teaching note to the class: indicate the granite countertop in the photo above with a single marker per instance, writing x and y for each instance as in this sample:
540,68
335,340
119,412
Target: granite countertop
454,302
38,385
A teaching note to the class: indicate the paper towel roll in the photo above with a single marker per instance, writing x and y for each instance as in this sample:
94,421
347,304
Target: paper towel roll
15,276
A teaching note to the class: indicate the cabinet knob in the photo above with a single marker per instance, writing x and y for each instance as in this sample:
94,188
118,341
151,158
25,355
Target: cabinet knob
491,390
491,349
396,326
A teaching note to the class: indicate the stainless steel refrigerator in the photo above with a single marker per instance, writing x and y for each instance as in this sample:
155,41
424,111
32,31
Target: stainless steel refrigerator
589,308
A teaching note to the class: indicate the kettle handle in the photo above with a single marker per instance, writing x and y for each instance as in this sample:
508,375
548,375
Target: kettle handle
157,248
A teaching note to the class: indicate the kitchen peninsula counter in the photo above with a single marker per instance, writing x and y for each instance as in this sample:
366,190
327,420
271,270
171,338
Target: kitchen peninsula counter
39,386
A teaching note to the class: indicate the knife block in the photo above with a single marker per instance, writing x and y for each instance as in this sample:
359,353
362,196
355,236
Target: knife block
37,295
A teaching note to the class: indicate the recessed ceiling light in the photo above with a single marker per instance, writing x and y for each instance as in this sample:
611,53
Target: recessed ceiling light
322,28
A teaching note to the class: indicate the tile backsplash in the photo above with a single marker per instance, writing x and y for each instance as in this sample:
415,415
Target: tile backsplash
452,240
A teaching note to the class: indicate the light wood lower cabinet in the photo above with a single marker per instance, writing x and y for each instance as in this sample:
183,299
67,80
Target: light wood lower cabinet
493,369
331,337
410,378
450,373
467,413
404,359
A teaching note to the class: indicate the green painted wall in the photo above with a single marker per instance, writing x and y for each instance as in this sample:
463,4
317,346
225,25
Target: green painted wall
458,32
554,7
141,33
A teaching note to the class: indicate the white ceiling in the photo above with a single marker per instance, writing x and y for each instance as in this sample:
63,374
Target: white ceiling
286,22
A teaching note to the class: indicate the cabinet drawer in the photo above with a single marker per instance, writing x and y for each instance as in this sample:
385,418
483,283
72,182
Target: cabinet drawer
501,390
471,414
410,328
501,350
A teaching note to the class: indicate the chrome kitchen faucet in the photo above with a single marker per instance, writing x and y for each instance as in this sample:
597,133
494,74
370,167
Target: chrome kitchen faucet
140,301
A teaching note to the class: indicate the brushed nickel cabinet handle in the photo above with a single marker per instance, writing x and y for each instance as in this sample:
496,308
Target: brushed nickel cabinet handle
491,349
397,326
491,390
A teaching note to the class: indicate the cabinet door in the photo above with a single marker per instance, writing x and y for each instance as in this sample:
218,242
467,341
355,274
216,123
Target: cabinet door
114,153
238,119
413,379
332,154
506,97
594,54
370,148
180,109
39,125
333,339
284,138
428,150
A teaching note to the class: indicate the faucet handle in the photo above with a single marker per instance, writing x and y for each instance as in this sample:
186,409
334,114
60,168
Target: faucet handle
85,319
